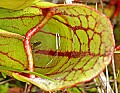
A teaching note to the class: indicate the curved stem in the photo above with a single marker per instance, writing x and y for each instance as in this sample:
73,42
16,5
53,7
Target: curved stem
118,47
32,32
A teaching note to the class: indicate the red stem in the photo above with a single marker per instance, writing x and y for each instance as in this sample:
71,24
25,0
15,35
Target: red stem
118,47
31,33
117,9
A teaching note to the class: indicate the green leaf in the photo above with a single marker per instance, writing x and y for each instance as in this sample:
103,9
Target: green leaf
17,4
4,75
22,4
44,83
24,71
73,47
12,53
45,5
76,45
19,21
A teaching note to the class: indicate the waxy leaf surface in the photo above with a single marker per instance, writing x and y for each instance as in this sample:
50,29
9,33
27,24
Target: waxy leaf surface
10,44
73,47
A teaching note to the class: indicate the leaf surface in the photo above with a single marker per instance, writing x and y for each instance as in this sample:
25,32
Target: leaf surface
76,45
17,4
10,44
73,47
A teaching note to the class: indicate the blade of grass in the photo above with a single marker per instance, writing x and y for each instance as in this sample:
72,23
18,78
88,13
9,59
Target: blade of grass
23,71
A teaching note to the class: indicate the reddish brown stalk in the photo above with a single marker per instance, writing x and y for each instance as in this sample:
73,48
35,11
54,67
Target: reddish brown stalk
117,4
117,9
32,32
118,47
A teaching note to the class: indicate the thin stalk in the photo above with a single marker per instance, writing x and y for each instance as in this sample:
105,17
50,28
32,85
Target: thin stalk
98,88
6,81
96,6
25,90
102,80
101,2
114,74
107,80
48,14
